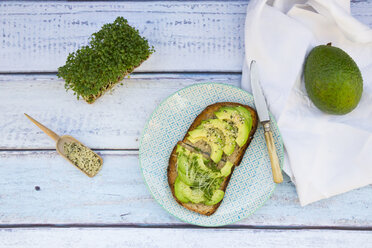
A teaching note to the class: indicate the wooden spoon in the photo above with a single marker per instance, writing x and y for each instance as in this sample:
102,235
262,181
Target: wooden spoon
60,142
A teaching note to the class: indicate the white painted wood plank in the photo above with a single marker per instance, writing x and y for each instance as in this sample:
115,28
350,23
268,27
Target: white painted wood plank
188,36
118,195
114,121
131,237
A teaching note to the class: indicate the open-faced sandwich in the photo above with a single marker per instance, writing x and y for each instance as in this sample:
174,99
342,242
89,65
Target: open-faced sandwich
201,165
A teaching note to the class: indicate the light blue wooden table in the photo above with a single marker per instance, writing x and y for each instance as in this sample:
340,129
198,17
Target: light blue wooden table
45,202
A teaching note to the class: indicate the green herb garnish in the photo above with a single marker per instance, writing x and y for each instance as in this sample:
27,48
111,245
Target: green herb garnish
113,52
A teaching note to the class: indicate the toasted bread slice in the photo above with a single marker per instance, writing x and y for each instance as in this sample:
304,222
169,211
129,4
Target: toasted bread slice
236,157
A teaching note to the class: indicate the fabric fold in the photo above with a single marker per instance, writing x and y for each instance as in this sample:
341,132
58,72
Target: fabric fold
325,154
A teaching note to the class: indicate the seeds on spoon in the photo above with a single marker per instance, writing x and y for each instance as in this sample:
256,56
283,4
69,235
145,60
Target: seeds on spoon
82,157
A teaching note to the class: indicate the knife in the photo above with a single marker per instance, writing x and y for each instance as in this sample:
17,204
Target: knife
263,115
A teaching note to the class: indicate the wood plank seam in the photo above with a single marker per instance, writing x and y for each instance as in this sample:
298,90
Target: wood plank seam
185,226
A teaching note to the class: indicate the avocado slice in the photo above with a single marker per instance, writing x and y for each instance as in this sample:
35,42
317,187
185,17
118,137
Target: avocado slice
226,169
194,195
179,188
228,132
182,163
212,138
216,198
188,178
233,115
246,115
201,161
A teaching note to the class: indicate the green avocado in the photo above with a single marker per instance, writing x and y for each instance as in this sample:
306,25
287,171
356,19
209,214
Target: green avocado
202,167
182,163
228,132
194,195
333,80
187,178
179,188
237,119
226,169
246,115
216,198
184,193
212,138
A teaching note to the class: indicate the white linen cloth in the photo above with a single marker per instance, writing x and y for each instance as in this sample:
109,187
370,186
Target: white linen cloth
326,154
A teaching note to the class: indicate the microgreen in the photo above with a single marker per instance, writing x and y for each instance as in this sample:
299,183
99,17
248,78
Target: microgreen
113,52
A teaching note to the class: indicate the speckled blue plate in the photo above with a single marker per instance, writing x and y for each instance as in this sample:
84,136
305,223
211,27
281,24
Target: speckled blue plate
251,183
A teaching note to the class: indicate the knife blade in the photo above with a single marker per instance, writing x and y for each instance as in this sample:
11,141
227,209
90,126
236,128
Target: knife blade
259,98
263,115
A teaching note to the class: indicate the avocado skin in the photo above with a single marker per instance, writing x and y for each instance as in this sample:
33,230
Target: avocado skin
333,80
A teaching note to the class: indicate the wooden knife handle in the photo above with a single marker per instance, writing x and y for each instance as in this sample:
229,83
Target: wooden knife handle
275,165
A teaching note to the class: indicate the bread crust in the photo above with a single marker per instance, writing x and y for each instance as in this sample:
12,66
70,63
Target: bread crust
235,158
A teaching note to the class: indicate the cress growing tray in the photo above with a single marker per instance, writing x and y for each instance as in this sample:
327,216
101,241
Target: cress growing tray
251,184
